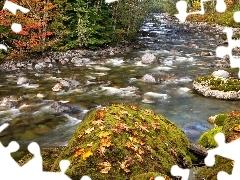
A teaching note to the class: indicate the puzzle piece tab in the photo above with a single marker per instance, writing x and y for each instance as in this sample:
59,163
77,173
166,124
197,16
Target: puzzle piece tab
182,9
227,150
221,51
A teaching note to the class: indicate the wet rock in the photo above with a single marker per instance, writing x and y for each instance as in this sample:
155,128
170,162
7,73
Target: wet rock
221,74
206,53
57,87
211,119
63,62
23,80
161,76
148,78
7,103
41,129
80,61
59,107
47,60
148,58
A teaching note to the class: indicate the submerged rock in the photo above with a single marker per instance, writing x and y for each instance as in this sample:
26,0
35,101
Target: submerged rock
59,107
121,141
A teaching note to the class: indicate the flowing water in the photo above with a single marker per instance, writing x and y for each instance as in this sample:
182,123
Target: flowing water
115,79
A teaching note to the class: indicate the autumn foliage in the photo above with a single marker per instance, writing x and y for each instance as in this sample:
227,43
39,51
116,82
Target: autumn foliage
121,141
35,35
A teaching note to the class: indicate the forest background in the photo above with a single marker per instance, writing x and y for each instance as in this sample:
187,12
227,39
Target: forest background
61,25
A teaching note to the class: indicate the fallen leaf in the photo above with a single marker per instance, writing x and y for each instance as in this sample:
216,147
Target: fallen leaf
138,141
105,142
103,134
133,107
80,134
89,130
101,113
104,167
140,151
97,122
139,157
102,150
87,154
90,144
102,127
155,125
128,162
79,152
148,112
139,126
236,128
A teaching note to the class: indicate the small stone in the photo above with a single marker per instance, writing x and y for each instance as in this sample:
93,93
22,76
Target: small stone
57,87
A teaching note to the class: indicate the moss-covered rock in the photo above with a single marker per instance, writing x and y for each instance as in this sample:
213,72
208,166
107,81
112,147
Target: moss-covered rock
207,139
231,130
221,88
147,176
122,141
220,119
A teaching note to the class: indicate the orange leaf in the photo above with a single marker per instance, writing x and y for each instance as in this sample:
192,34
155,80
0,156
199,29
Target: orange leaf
100,114
87,154
79,152
133,107
105,142
89,130
104,167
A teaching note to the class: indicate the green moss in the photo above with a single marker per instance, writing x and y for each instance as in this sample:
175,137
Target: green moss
146,176
137,141
222,164
207,139
220,119
230,84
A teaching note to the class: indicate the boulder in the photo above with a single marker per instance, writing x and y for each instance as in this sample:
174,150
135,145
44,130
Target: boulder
22,80
148,58
220,74
121,141
148,78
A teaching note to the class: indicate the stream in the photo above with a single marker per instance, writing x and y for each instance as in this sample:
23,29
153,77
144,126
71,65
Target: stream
115,79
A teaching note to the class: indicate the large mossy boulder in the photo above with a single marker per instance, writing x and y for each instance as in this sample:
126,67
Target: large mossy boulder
231,128
123,141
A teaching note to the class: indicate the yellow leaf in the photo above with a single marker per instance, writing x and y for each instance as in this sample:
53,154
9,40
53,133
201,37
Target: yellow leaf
236,128
103,134
87,154
89,130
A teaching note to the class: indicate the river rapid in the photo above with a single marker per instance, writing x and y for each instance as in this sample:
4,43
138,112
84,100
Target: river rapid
116,79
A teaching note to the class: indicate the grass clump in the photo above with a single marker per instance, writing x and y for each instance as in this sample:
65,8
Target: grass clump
123,142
